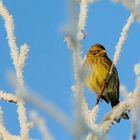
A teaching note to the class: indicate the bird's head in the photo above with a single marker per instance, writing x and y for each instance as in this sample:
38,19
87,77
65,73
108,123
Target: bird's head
97,50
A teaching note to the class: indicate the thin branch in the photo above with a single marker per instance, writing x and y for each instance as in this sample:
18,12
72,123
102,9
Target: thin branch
117,52
131,103
135,108
74,43
24,129
8,97
21,62
91,117
17,59
40,124
9,26
47,108
122,39
115,114
4,134
131,6
82,19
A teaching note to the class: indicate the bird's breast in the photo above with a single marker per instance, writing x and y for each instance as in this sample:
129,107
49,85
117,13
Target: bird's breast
98,71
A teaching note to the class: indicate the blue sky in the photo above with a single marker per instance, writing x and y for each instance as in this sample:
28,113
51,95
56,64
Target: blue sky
48,69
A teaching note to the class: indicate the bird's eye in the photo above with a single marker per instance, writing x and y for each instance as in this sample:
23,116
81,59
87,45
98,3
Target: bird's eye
97,50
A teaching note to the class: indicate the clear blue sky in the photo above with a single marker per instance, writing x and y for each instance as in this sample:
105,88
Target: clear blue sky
48,69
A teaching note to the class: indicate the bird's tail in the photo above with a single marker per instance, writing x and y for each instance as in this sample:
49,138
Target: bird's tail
114,101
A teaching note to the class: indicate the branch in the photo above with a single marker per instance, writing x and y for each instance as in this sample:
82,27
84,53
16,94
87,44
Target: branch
40,124
135,109
117,53
131,103
4,134
131,6
18,61
8,97
115,115
9,26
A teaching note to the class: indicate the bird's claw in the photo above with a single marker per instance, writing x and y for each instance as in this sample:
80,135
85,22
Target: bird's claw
98,99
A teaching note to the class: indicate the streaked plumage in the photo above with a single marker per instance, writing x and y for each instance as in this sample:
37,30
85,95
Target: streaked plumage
99,65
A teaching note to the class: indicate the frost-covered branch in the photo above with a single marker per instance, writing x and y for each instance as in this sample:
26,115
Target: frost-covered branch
18,59
122,39
114,116
132,6
4,134
82,19
131,103
40,124
9,26
117,52
84,126
136,103
48,109
74,43
8,97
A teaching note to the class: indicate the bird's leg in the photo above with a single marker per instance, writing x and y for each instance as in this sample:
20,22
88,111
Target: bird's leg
98,97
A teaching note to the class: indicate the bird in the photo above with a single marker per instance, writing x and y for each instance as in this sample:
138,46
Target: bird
98,65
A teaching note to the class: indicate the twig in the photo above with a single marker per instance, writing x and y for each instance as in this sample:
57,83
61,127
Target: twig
117,54
4,134
132,6
40,124
47,108
115,115
18,61
135,107
8,97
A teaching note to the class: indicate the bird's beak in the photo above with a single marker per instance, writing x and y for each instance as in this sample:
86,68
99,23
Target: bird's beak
103,51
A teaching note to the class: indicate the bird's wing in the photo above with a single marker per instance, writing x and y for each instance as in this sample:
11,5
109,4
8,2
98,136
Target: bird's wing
116,79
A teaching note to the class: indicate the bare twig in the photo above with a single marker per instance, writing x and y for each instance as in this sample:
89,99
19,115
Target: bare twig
8,97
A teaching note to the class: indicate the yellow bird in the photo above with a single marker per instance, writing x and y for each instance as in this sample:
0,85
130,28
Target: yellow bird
99,65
